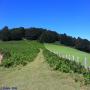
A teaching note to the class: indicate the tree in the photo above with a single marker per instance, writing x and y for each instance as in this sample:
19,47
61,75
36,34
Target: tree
17,33
67,40
48,37
33,33
82,44
44,35
5,34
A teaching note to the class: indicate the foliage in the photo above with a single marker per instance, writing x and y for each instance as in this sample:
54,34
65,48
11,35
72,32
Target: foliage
48,37
66,65
33,33
5,34
17,33
78,43
82,44
19,52
40,34
67,40
44,35
5,52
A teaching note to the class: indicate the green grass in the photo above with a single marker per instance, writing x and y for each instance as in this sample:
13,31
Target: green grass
21,52
67,50
67,66
37,75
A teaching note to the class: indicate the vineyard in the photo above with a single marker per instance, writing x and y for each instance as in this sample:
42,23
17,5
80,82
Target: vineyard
26,62
19,52
67,66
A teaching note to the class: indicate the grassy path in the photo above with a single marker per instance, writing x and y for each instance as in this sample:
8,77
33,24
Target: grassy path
38,76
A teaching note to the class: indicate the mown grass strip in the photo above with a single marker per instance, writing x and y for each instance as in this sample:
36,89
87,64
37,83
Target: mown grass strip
69,51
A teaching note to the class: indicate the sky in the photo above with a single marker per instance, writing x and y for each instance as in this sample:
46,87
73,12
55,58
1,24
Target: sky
63,16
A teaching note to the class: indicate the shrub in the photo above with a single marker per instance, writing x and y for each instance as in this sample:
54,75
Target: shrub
19,52
7,63
5,52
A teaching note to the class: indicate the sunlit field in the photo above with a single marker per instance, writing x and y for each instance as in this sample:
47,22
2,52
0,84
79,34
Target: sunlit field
69,51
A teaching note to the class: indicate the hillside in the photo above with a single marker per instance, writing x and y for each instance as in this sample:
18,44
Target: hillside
38,76
35,73
65,50
44,44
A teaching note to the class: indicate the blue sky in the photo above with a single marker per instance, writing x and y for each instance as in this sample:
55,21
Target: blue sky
64,16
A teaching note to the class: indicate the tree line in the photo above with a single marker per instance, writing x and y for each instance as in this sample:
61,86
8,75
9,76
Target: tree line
44,36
